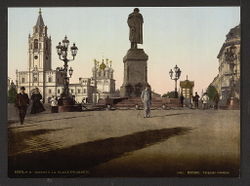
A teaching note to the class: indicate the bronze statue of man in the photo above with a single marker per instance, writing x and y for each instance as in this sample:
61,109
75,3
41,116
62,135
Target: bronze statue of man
135,21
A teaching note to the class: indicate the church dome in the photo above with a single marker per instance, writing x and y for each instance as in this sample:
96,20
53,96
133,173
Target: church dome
102,66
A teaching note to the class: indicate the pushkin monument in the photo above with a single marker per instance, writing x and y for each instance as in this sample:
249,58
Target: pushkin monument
135,61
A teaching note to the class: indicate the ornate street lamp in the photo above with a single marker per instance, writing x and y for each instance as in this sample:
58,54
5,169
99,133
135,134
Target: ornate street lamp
70,71
231,57
175,75
62,51
96,64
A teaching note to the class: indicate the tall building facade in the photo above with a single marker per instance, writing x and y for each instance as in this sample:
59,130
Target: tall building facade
228,78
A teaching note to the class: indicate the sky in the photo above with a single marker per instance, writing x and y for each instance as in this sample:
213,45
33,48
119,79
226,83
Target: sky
189,37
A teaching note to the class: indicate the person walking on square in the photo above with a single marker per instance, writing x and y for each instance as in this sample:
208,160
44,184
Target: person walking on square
196,100
37,106
146,98
54,104
22,102
216,100
205,99
182,100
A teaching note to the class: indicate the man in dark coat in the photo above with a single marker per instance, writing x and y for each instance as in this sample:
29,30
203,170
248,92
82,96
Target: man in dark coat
182,100
216,100
196,100
22,102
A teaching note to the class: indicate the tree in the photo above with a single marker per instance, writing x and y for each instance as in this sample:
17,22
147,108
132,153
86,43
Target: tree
12,94
169,94
211,92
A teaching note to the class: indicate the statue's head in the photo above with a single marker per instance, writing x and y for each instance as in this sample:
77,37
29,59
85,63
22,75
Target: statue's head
136,10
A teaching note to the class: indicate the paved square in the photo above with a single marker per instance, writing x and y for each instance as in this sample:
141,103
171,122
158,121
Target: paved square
122,143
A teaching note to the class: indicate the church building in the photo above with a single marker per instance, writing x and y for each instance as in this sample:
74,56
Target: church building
103,79
40,74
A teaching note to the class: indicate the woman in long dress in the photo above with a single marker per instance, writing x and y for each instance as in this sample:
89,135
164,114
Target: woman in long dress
37,106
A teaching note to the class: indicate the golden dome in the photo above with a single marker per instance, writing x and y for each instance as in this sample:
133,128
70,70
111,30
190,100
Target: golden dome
102,66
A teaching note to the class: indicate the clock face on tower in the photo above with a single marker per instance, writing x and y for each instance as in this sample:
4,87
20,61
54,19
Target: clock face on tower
35,57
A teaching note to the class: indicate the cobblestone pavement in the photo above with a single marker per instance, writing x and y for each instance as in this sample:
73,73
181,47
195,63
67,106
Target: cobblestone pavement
122,143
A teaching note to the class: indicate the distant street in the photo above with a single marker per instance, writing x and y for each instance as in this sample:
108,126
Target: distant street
122,143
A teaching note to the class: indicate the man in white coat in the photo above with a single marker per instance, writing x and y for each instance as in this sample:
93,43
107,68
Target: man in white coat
205,99
146,98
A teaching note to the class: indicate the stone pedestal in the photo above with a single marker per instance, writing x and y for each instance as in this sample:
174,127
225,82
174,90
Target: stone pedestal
135,73
65,104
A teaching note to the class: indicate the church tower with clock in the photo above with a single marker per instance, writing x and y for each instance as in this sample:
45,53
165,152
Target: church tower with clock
40,73
40,46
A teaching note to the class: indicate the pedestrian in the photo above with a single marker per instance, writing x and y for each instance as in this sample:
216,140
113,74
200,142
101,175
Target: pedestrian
146,98
73,100
191,102
54,105
37,106
196,100
205,99
216,100
22,102
182,100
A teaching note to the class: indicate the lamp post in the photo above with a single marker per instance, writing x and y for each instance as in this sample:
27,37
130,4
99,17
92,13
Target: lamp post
175,75
62,51
95,82
231,57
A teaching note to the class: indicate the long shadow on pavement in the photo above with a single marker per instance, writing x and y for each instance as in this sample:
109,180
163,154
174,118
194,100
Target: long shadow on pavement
87,155
16,141
176,114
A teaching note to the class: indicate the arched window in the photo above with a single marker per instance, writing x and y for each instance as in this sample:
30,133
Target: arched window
46,45
50,80
36,44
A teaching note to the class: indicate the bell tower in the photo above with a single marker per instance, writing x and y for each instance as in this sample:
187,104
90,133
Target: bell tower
39,47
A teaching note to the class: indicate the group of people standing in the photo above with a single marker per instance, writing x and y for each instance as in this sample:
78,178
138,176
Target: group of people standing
204,101
22,102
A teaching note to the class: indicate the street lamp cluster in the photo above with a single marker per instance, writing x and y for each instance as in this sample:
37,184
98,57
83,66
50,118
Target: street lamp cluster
175,75
62,51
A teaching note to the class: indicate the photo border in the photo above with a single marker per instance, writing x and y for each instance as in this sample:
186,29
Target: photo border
245,93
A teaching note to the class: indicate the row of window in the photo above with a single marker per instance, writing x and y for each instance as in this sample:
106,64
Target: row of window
71,90
40,45
35,79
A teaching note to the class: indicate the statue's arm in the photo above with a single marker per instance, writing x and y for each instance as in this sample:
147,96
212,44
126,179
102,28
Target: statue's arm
130,22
